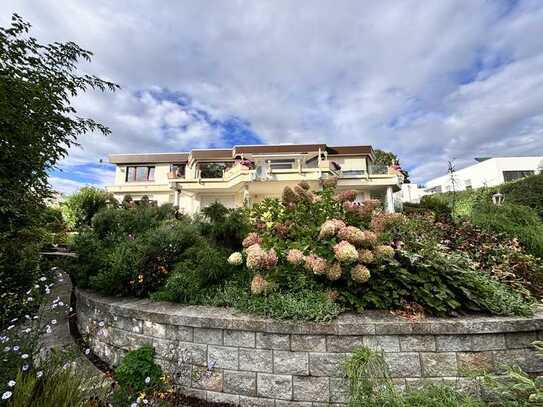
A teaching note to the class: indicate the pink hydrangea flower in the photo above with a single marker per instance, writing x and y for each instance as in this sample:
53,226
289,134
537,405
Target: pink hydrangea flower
345,252
295,257
251,239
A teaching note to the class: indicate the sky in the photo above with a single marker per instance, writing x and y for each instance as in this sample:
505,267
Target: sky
430,80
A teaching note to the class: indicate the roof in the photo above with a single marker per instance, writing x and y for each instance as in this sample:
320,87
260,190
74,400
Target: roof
227,154
149,158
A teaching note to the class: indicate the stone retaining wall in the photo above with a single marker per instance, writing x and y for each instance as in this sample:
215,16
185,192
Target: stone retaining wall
224,356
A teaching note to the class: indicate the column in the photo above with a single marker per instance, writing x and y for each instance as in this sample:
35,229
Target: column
389,201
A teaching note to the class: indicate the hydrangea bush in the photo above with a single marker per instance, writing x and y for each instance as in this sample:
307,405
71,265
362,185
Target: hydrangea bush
361,256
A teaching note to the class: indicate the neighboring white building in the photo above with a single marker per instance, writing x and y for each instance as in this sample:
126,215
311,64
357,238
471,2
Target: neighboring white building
487,172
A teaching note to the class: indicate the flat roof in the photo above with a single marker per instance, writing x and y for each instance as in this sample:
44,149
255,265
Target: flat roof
149,158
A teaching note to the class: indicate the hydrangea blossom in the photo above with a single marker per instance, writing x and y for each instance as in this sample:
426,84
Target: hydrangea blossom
365,256
258,258
369,239
334,273
235,259
259,285
351,234
345,252
384,252
251,239
330,227
345,196
360,274
295,257
316,264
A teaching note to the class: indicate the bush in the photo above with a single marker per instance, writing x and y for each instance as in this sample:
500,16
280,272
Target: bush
138,371
81,206
516,221
526,192
223,226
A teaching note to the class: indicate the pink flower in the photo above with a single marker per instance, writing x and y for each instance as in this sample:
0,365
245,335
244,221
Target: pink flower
251,239
351,234
345,196
345,252
330,227
295,257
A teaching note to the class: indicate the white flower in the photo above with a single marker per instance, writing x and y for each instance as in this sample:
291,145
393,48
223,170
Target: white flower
7,349
71,309
47,291
61,280
27,330
27,316
235,259
145,401
35,317
101,324
61,304
134,405
11,327
13,320
87,351
147,380
43,279
25,367
48,329
11,383
53,322
24,356
16,348
39,374
30,299
6,395
66,366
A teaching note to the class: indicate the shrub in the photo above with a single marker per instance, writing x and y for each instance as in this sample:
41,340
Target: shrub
138,371
516,221
223,226
81,206
526,192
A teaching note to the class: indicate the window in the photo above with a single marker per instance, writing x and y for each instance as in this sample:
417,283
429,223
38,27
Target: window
177,170
513,175
282,164
140,174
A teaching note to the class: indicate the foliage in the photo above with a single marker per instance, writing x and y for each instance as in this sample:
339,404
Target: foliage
223,226
81,206
59,384
370,385
526,191
138,371
212,170
517,387
369,259
388,158
38,124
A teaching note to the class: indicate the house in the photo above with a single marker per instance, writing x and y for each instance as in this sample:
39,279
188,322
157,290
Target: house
487,172
247,174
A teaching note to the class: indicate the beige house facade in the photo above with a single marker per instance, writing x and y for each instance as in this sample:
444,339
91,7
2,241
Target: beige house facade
247,174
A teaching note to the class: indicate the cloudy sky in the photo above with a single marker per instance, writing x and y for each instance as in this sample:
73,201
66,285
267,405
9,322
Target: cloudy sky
429,80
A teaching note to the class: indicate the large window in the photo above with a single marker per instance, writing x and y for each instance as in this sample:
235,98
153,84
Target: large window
285,164
140,173
513,175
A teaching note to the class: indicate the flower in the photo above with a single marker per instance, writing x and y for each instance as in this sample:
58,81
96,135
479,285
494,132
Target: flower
360,274
369,238
334,273
316,264
24,356
330,227
332,295
304,185
25,367
345,196
66,366
270,259
235,259
11,327
39,374
16,348
365,256
289,196
87,351
259,285
384,252
329,182
345,252
147,380
53,322
6,395
351,234
251,239
258,258
12,383
295,257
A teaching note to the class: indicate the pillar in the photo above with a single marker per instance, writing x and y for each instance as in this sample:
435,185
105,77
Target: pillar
389,201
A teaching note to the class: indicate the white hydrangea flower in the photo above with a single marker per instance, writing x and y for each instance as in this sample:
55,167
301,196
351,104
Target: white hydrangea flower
24,356
147,380
39,374
6,395
12,383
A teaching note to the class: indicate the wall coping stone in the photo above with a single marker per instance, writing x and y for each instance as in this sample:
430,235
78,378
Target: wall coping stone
370,322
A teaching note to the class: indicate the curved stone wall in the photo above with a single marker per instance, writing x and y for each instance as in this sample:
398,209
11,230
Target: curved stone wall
224,356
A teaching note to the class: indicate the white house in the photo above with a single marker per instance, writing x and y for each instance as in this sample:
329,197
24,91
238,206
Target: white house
488,172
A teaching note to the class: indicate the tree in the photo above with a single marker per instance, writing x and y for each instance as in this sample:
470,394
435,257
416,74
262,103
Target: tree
389,158
81,206
37,122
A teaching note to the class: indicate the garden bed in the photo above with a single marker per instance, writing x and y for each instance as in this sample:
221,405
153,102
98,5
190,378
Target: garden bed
223,355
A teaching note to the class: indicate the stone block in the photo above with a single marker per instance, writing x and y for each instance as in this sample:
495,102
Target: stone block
243,383
222,357
385,343
326,364
274,386
339,390
192,353
286,362
129,324
166,349
284,403
482,342
256,360
209,336
244,339
266,340
453,343
308,388
524,358
518,340
154,329
404,364
255,402
419,383
469,362
216,397
308,343
343,344
179,332
205,379
438,364
417,343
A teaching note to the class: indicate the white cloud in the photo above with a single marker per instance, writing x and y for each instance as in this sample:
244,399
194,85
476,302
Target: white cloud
430,80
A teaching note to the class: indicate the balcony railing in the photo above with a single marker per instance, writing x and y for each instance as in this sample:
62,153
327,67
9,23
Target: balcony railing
378,169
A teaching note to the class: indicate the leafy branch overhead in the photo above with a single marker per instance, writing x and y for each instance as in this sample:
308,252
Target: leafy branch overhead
38,124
